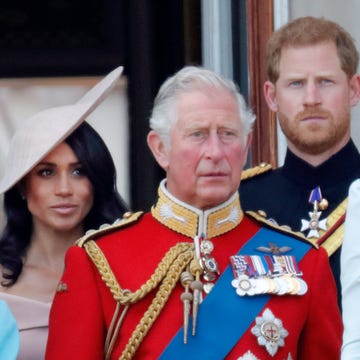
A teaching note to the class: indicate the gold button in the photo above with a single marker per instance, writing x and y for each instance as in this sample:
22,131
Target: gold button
127,214
262,213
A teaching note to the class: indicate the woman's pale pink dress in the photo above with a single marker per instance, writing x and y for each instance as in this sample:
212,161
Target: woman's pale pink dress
32,318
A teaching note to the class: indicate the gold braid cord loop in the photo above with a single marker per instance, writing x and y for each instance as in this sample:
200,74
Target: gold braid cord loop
114,328
125,297
167,274
162,295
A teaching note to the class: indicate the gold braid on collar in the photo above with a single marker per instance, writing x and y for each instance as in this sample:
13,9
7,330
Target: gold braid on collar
190,221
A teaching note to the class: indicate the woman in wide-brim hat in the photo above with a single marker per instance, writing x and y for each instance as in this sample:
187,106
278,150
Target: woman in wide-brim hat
59,181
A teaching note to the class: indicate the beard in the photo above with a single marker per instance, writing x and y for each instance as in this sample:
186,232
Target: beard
315,138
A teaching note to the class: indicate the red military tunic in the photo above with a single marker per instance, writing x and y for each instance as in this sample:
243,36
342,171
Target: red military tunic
84,306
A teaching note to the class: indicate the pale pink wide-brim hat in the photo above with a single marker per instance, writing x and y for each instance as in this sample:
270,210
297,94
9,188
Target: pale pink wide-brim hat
42,132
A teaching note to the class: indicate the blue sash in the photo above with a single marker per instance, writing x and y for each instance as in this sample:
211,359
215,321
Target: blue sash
224,316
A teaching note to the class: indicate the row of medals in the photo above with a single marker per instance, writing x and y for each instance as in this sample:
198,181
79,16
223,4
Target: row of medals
280,285
282,281
245,285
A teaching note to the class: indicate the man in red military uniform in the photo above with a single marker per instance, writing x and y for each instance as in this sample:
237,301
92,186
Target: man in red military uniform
195,277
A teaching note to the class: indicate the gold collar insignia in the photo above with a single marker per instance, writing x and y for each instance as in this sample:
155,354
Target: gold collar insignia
190,221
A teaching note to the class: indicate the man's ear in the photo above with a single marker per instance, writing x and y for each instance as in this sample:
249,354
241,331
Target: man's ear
158,149
354,90
270,95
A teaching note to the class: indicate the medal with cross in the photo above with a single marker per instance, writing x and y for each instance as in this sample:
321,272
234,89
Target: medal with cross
315,224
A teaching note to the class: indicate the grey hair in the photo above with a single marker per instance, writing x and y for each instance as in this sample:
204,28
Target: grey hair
189,78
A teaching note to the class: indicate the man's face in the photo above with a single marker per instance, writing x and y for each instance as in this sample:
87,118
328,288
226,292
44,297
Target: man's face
313,98
207,152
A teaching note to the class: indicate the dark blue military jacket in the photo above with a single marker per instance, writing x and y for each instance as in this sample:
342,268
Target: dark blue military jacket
283,193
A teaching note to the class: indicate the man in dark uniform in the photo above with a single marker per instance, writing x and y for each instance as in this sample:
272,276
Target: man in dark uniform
312,85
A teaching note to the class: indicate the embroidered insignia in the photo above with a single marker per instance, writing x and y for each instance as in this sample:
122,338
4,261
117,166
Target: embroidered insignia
248,356
274,249
314,224
167,213
269,331
233,217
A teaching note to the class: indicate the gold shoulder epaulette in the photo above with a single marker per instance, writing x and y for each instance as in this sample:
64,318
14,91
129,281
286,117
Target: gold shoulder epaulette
332,238
282,228
93,234
256,170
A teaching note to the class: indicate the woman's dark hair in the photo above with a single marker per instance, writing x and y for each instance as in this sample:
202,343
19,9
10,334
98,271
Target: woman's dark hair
108,205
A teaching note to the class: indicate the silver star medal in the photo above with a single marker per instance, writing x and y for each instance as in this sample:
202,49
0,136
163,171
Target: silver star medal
248,356
314,224
269,331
